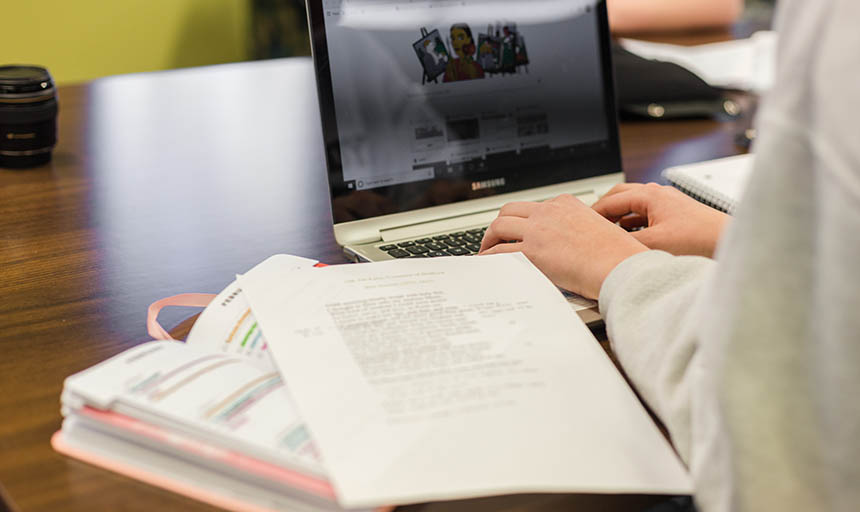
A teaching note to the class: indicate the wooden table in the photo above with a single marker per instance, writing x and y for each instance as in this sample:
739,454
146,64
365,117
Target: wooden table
173,182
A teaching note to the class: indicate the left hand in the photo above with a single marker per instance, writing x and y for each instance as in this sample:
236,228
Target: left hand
671,221
568,241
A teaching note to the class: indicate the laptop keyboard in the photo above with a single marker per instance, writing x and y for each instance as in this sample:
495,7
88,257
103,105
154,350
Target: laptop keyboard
457,243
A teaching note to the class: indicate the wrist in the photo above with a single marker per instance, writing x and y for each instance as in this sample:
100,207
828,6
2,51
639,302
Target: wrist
612,260
718,227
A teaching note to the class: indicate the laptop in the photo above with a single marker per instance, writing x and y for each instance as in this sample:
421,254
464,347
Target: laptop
437,113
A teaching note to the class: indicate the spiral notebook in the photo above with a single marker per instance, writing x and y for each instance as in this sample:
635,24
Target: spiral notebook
717,183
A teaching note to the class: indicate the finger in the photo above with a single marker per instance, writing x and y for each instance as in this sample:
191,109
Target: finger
518,209
503,248
621,187
633,221
619,205
503,229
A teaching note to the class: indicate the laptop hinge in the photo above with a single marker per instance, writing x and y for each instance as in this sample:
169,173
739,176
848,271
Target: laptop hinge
439,226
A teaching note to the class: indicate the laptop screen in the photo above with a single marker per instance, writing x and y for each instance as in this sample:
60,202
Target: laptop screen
432,102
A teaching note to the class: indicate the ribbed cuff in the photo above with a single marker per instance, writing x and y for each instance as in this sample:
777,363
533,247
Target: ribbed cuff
616,281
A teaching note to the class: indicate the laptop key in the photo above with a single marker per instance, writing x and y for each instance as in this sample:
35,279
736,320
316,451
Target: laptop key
458,251
458,234
387,247
398,253
473,247
475,231
453,242
441,237
418,249
433,246
423,241
405,244
436,254
472,238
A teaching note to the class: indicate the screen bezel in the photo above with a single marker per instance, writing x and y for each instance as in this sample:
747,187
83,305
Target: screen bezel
606,161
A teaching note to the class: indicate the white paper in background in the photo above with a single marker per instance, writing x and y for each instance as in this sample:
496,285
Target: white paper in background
746,64
446,378
228,325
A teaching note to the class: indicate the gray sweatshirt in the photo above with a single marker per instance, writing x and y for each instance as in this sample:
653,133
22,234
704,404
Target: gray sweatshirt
753,360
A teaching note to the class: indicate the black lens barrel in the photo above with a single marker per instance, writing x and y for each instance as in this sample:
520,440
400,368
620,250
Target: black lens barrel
28,116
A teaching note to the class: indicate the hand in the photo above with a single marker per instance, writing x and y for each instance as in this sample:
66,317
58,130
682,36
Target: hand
672,221
568,241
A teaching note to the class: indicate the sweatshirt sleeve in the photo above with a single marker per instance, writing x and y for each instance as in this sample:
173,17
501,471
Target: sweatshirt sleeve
647,303
751,360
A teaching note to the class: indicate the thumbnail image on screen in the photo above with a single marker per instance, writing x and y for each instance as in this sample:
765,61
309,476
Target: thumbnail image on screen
433,55
499,51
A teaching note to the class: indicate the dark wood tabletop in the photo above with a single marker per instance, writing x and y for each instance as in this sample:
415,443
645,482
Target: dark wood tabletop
173,182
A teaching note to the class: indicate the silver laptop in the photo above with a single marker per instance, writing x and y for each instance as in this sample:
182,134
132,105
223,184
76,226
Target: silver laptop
437,113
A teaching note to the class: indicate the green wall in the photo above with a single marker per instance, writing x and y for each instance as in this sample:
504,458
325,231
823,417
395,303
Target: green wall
80,40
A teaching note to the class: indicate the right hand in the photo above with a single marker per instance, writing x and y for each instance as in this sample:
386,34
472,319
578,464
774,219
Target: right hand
671,221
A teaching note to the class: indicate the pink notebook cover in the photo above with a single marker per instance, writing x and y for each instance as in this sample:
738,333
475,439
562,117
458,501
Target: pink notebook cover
290,478
191,491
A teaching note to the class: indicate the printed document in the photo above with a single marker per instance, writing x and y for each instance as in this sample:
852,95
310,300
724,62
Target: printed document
424,380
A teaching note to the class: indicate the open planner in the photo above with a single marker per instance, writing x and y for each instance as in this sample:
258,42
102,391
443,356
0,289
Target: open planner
209,418
374,385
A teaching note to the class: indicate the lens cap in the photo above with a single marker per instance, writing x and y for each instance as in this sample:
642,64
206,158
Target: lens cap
24,79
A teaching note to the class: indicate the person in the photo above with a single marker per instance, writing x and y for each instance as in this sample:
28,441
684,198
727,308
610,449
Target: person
662,15
751,358
464,67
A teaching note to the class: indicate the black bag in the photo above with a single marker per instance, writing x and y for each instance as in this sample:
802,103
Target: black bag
652,89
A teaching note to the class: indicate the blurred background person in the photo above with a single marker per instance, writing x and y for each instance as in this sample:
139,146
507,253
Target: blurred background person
665,15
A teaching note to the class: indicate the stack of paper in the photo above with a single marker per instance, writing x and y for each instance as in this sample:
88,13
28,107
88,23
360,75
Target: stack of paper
375,384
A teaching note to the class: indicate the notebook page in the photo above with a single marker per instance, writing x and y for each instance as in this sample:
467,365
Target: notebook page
720,181
229,326
449,378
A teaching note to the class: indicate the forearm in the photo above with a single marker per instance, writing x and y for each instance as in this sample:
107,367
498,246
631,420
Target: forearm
663,15
648,303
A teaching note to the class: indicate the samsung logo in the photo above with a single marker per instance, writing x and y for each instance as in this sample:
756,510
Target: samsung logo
481,185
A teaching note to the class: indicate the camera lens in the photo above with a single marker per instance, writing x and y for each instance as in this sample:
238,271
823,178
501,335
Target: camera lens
28,116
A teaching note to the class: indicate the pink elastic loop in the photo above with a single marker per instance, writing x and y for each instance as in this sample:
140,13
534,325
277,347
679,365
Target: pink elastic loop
195,300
